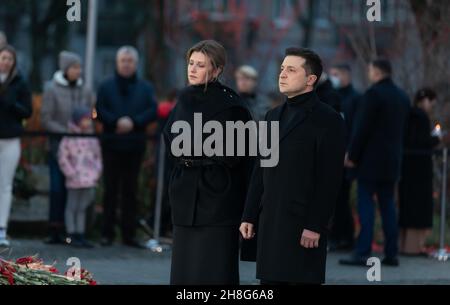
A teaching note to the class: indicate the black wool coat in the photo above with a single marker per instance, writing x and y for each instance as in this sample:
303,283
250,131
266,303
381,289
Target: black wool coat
118,97
416,184
376,145
213,194
15,105
299,193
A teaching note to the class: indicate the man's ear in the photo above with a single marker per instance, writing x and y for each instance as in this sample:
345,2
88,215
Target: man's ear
312,79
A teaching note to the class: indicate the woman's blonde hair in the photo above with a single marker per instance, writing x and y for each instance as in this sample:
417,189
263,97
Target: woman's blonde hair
214,51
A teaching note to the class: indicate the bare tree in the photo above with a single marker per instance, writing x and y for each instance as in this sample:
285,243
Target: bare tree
48,34
433,25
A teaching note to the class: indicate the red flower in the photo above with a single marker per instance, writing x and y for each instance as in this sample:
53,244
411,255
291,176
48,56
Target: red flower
9,276
72,273
7,271
27,260
53,270
84,276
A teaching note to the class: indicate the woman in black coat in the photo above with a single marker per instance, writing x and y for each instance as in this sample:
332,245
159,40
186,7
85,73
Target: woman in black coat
206,194
15,105
416,185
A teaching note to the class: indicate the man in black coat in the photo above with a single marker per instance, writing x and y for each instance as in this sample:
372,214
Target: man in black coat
342,231
349,96
295,199
376,150
327,92
125,106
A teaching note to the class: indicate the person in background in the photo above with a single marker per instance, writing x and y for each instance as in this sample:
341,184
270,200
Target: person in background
15,105
327,93
376,151
125,106
246,83
165,107
343,231
416,184
275,99
66,91
340,76
80,160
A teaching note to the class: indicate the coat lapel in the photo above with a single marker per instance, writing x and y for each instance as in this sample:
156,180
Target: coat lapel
298,119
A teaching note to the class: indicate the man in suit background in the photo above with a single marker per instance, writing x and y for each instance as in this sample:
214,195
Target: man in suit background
343,231
125,106
375,150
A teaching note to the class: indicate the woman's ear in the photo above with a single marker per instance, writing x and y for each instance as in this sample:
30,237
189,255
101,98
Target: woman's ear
217,72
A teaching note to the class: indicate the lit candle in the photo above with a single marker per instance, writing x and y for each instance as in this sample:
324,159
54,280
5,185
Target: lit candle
94,114
437,131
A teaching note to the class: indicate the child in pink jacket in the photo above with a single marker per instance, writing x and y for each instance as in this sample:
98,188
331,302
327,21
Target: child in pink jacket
80,160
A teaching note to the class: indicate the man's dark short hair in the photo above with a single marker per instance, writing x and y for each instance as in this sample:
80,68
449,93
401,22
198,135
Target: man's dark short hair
313,63
383,65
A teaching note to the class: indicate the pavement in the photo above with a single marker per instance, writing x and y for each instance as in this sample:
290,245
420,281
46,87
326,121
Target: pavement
120,265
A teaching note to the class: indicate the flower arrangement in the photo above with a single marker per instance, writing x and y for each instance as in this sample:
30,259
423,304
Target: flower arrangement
31,270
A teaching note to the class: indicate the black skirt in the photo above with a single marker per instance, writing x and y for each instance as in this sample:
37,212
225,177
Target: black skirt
205,256
416,193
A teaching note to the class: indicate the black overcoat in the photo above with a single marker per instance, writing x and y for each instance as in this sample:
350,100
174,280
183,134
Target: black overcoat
15,105
213,194
416,184
376,144
207,194
299,193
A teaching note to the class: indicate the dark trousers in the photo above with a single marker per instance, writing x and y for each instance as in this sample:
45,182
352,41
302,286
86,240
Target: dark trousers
120,176
343,226
366,210
58,193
